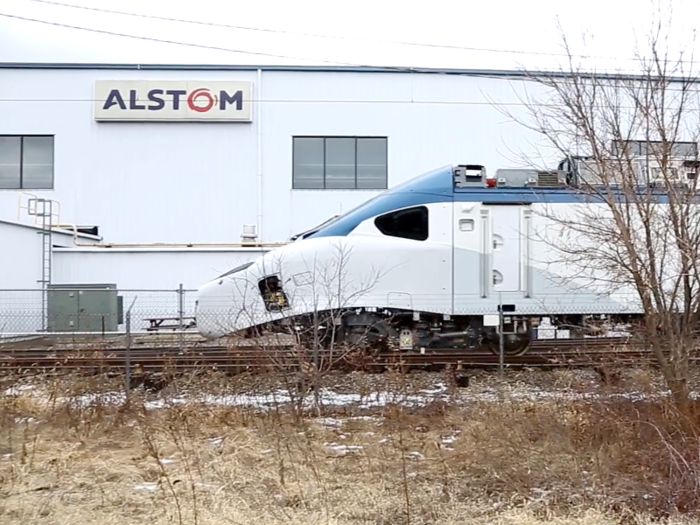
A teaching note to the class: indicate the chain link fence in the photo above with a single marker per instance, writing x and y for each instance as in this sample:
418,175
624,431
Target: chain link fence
100,310
94,310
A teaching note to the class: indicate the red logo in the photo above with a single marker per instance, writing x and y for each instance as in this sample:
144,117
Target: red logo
194,100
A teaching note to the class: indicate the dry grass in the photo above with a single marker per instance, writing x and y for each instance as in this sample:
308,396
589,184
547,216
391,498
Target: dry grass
503,461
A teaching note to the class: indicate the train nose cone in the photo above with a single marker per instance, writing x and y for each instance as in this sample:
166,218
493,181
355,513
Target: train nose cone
211,310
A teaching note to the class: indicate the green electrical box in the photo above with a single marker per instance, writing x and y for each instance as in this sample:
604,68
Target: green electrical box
84,308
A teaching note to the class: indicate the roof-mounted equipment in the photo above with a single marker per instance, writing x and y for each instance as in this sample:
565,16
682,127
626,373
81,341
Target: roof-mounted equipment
469,175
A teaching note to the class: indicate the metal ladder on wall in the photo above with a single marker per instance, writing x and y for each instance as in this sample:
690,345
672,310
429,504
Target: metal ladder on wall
42,209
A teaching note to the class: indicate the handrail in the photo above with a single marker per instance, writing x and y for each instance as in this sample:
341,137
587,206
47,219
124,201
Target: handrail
54,205
19,204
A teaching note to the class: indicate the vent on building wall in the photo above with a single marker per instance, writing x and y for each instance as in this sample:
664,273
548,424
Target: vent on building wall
89,230
248,234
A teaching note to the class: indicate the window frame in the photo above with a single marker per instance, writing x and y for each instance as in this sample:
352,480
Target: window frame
385,138
21,137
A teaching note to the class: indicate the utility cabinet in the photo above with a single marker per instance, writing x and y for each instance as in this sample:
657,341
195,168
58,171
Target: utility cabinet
84,308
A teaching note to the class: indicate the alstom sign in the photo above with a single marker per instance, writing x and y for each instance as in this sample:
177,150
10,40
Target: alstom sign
171,100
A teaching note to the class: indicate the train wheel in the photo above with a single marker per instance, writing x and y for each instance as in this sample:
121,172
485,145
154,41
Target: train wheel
511,347
374,338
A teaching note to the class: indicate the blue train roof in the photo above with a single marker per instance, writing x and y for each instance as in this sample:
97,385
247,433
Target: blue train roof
433,186
438,186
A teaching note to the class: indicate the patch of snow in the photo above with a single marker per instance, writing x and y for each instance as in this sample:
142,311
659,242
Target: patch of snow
335,422
330,422
439,389
147,486
109,398
17,390
327,397
344,449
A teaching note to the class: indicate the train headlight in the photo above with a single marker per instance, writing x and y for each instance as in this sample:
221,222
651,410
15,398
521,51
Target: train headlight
406,340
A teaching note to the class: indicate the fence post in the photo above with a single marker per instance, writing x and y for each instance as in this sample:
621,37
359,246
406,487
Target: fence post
127,352
501,357
316,360
181,315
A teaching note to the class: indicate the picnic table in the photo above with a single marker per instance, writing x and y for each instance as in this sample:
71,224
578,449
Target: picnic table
169,323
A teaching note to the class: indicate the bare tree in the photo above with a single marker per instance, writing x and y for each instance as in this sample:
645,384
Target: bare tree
324,287
631,144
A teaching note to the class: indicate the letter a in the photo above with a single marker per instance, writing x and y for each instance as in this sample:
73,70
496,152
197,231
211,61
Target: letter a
113,98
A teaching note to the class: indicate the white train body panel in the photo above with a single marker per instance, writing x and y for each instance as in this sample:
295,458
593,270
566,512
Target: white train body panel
364,269
477,255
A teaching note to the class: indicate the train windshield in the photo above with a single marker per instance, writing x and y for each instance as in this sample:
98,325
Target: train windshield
236,269
305,234
334,219
348,213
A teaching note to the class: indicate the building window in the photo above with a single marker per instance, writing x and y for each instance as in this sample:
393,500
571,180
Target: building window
340,163
411,223
26,162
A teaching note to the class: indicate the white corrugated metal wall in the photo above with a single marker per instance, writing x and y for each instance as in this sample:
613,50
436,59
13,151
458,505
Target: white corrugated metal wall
197,182
20,273
151,278
147,269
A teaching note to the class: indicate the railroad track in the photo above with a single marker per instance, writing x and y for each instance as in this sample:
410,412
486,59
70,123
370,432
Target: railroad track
235,357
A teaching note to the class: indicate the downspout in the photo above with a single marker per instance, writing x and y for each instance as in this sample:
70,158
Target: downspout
260,180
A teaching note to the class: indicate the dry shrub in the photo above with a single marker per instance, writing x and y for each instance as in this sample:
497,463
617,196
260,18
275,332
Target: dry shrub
618,454
651,453
65,459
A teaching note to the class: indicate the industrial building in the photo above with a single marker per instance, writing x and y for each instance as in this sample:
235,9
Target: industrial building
148,177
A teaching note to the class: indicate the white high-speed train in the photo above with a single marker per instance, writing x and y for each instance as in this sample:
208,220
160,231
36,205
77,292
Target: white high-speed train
428,263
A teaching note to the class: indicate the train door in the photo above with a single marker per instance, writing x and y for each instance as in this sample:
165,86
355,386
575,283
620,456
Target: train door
489,253
506,247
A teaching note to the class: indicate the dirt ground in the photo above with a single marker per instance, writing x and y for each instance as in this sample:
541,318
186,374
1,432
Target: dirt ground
554,447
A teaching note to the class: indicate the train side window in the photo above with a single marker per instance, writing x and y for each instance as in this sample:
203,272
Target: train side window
411,223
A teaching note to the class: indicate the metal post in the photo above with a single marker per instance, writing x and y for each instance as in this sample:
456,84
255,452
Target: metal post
127,356
181,315
315,356
500,336
127,353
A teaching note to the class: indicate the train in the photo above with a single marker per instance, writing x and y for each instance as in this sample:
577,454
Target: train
451,258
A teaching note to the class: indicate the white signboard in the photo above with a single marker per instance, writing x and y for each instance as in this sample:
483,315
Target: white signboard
173,101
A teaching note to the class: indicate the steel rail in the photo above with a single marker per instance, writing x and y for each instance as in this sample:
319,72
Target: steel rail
543,353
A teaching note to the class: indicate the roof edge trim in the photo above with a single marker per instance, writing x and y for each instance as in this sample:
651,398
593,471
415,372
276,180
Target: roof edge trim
54,230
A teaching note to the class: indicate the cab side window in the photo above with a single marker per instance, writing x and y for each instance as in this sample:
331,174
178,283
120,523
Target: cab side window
411,223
